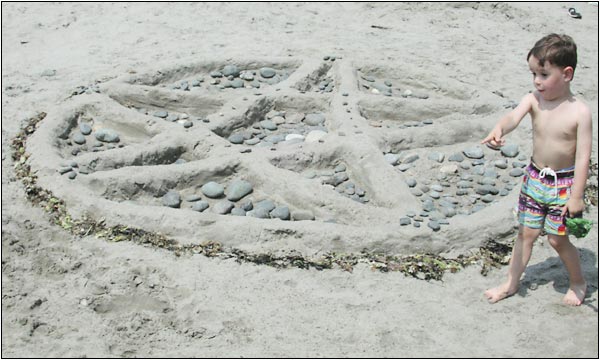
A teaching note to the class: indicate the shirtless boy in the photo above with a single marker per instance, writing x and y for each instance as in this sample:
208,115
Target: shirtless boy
554,183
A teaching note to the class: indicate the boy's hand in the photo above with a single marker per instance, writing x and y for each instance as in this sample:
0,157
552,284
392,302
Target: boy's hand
494,139
574,207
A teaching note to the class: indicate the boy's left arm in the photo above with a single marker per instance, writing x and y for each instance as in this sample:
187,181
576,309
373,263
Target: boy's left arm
575,204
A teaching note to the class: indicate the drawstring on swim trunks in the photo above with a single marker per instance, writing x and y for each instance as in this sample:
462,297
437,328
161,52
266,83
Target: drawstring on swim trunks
549,172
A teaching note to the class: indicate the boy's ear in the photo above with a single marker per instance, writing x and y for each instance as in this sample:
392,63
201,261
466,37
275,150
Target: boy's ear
568,73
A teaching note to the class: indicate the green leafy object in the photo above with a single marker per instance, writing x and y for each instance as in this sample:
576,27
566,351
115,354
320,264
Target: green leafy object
578,227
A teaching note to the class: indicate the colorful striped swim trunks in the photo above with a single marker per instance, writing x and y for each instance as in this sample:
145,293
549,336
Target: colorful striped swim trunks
543,193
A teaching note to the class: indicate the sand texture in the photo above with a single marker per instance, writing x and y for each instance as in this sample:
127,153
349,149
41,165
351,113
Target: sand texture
262,180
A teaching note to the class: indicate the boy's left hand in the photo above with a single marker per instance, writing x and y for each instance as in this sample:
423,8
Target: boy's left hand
574,207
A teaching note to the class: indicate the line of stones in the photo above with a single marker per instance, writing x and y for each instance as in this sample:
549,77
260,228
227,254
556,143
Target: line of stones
421,266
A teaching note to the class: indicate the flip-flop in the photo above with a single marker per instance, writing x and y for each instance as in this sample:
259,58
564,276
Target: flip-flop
574,14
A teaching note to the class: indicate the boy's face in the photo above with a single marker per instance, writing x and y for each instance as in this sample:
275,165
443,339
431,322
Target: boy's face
550,80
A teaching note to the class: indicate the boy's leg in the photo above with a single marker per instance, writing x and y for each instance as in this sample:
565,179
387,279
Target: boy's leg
518,262
570,257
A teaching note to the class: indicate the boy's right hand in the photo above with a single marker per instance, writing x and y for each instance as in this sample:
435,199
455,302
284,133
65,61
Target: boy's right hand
494,139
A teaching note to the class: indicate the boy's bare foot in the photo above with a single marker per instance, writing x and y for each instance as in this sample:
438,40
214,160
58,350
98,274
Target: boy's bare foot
575,295
498,293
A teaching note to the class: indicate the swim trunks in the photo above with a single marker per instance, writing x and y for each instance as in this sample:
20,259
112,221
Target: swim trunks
543,193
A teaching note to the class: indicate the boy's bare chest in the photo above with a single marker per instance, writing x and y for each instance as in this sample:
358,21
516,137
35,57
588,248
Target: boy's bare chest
558,126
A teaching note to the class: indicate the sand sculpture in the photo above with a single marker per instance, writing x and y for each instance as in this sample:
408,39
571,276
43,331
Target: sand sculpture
309,155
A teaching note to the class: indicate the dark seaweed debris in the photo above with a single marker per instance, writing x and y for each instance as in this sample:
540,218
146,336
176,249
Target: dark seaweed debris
421,266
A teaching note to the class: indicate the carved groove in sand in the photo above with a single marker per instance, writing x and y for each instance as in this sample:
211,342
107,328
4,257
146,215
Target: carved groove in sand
268,155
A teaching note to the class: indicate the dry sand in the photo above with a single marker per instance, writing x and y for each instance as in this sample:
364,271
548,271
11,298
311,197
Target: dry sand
76,296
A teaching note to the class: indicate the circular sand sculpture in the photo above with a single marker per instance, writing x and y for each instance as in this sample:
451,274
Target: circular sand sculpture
267,155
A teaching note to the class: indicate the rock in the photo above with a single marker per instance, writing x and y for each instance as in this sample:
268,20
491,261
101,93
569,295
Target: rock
434,225
302,215
314,119
267,72
411,182
260,213
315,135
436,156
404,167
449,169
281,212
200,206
48,72
266,204
216,74
238,212
409,158
236,138
405,221
78,138
516,172
72,175
247,205
223,207
340,168
230,70
510,150
107,135
237,189
161,113
188,124
85,128
237,83
268,124
172,117
193,197
501,164
291,137
391,159
416,192
213,190
458,157
487,198
475,152
171,199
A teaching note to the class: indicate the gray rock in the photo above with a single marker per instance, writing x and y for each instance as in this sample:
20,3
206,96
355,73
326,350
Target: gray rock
340,168
267,72
404,167
230,70
405,221
223,207
237,189
416,192
281,212
268,124
510,150
487,198
462,184
458,157
391,159
216,74
107,135
437,187
490,173
409,158
434,225
314,119
78,138
501,164
266,204
236,138
200,206
518,164
417,224
193,197
475,152
411,182
85,128
436,156
260,213
161,113
213,190
172,117
72,175
516,172
188,124
238,212
171,199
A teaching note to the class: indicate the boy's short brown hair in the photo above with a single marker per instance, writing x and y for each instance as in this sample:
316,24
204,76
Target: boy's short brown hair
559,50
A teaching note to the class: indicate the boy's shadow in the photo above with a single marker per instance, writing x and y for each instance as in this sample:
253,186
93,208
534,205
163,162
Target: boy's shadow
552,270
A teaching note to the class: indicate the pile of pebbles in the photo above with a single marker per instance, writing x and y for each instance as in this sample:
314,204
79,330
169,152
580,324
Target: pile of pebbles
70,169
282,127
385,87
182,119
85,139
232,77
465,183
232,200
337,178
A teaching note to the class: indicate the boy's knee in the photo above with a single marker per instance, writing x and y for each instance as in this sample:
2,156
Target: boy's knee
529,235
558,241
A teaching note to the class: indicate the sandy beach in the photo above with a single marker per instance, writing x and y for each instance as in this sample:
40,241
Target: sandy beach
279,180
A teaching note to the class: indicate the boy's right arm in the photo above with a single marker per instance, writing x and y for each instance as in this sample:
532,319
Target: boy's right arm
509,122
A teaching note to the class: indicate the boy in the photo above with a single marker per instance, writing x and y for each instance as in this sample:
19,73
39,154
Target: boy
554,183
